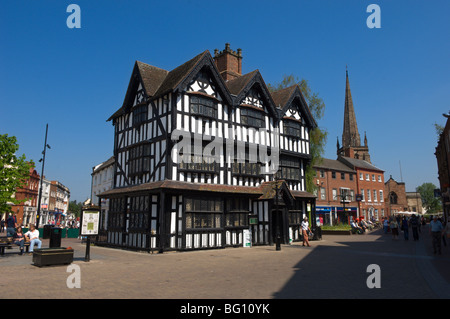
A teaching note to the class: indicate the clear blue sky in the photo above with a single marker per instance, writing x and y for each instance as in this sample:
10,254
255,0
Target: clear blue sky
74,79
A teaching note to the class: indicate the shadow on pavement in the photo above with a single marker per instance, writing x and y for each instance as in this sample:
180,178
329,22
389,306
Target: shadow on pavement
407,269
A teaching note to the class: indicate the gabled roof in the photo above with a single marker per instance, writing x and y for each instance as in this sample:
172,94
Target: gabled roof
151,77
158,82
283,99
181,76
176,76
242,85
334,165
357,163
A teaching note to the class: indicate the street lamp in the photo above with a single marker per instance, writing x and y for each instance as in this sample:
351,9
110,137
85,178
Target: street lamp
278,239
38,214
343,197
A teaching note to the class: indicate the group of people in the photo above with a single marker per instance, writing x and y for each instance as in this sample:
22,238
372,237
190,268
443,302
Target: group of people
360,226
19,238
397,223
438,229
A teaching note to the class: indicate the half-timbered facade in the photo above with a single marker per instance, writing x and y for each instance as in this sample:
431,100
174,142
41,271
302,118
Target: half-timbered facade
200,159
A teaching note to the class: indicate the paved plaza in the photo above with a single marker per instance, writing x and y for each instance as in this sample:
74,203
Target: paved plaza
334,267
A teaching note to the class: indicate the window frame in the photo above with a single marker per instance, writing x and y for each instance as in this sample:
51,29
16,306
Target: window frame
254,115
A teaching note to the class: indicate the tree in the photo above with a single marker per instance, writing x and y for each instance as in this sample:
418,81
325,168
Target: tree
439,129
318,136
75,208
432,204
14,172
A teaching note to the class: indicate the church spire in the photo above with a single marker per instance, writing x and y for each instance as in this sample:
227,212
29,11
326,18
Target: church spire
350,135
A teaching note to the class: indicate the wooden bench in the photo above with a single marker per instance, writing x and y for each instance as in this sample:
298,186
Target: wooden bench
7,242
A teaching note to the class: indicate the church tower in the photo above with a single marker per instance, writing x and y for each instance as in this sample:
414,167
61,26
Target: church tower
351,140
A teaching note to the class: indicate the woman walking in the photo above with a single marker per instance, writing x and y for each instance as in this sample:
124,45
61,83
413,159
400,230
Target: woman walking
394,228
305,231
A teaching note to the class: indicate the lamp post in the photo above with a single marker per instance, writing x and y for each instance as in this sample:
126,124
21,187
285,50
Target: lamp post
38,214
278,239
343,197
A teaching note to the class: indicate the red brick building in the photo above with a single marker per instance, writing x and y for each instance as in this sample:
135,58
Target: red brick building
370,188
395,197
26,210
336,192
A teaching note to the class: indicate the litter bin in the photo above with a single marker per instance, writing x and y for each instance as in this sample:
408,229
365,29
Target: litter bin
55,237
47,231
317,233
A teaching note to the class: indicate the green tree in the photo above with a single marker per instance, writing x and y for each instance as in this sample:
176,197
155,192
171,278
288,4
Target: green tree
318,136
439,129
432,204
75,208
14,171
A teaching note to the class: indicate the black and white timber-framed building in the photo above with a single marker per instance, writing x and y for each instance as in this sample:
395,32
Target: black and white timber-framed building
208,199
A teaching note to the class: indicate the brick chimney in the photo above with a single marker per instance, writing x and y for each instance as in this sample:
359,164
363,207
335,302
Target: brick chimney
228,62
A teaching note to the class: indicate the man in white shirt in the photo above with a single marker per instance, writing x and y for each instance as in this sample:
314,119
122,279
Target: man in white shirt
33,235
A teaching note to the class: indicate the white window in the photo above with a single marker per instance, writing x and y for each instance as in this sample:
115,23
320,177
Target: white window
379,178
361,176
375,196
335,194
381,196
322,193
369,196
373,177
367,177
362,195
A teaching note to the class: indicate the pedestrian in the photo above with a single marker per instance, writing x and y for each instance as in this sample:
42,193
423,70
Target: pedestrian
33,235
394,228
19,239
11,224
385,225
436,229
415,227
305,231
405,228
2,225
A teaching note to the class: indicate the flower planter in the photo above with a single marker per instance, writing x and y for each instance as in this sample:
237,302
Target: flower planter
336,232
52,256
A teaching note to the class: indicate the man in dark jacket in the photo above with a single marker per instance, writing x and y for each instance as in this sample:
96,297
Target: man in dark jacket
11,224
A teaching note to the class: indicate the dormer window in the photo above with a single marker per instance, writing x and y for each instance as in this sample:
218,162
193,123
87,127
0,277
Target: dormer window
292,128
203,106
252,117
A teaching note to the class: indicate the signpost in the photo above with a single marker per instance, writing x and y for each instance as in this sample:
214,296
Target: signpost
90,221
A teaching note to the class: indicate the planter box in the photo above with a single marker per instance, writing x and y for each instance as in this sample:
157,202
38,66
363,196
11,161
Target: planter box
336,232
52,256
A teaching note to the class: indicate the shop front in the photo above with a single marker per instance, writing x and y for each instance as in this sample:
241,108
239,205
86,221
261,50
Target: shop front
333,215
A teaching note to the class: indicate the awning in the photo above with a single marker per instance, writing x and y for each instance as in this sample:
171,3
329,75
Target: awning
259,191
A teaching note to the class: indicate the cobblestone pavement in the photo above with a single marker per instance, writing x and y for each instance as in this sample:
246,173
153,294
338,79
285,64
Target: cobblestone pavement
334,267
